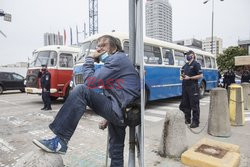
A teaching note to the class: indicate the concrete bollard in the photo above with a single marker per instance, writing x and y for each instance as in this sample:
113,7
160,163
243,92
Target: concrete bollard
174,140
236,105
246,94
218,119
39,158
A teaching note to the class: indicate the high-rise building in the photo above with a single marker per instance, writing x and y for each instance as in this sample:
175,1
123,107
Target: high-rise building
217,45
53,39
192,43
159,20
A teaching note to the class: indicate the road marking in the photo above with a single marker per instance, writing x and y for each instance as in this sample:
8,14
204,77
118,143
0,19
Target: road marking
247,119
152,111
5,146
152,118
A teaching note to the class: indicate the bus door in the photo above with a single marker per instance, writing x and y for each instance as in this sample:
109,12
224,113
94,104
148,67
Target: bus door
65,69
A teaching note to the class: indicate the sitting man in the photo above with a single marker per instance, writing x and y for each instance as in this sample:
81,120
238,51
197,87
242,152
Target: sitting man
121,84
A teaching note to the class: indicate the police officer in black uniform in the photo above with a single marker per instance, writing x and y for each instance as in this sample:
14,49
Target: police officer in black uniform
45,78
190,73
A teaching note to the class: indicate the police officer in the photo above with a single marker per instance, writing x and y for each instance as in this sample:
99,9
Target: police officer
45,78
191,72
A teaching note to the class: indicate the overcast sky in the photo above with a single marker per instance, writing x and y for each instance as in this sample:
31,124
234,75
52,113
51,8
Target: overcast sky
191,18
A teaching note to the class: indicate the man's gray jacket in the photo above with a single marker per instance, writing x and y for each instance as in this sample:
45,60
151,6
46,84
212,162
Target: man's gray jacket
118,77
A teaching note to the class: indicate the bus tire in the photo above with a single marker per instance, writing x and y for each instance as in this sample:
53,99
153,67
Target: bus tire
53,98
67,93
202,89
1,89
146,98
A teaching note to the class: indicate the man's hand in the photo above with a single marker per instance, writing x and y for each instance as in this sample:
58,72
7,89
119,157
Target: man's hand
96,54
186,77
103,124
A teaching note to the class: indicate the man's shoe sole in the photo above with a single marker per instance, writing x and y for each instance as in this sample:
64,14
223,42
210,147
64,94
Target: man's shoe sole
43,147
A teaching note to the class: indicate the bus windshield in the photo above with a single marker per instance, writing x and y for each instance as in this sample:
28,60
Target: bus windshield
48,58
84,51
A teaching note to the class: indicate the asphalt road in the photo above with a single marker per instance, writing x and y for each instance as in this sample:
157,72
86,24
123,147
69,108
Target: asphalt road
21,121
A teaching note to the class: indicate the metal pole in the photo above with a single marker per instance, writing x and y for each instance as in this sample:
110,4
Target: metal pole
140,60
132,51
212,40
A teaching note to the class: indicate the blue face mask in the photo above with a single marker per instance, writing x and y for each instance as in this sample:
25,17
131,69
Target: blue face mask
103,57
189,57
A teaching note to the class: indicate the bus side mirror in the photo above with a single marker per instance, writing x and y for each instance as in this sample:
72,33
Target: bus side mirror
52,62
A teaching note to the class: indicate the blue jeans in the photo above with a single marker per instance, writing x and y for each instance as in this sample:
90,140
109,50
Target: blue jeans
74,107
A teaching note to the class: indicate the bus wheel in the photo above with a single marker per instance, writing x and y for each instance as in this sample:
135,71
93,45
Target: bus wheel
202,89
53,98
67,93
1,89
146,98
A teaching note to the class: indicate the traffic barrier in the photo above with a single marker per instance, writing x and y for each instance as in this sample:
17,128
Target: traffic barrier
218,119
236,105
246,94
174,140
39,158
211,153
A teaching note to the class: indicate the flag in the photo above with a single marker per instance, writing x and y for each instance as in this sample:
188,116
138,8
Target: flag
64,37
71,39
77,34
58,38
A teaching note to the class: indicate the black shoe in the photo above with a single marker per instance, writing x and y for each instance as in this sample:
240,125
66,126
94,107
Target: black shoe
194,125
43,108
48,109
187,121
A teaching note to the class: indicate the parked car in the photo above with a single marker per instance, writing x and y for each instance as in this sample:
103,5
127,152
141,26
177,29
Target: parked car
11,81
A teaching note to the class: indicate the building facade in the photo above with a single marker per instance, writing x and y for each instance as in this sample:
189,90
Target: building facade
217,45
192,43
53,39
159,20
245,44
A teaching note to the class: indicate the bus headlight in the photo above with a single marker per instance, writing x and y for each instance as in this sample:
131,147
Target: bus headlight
24,82
71,83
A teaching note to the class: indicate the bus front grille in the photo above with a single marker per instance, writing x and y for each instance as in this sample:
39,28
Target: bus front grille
78,79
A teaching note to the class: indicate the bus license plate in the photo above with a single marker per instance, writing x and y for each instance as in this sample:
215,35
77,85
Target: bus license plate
29,90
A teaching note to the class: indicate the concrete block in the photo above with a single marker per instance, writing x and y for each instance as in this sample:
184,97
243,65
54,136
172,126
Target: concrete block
218,119
174,140
246,94
211,153
236,105
39,158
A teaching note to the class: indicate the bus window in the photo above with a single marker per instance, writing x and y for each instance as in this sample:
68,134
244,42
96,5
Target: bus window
200,60
46,57
66,60
179,58
126,47
93,45
168,58
152,55
208,62
213,62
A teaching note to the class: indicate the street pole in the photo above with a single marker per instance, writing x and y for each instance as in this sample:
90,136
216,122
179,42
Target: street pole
136,52
212,37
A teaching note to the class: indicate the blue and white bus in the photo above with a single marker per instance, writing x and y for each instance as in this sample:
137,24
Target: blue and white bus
163,61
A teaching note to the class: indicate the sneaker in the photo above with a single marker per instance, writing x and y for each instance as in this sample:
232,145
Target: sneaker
54,145
194,125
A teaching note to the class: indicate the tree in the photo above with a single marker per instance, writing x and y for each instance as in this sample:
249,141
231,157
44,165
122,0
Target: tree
225,61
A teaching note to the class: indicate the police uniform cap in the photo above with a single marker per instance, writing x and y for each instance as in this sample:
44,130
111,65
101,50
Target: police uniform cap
189,52
44,65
